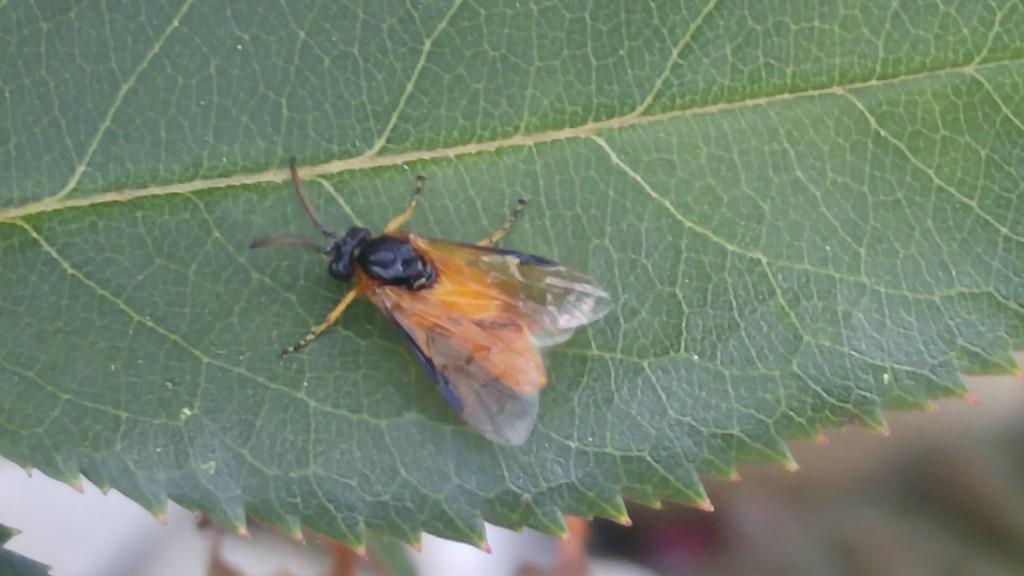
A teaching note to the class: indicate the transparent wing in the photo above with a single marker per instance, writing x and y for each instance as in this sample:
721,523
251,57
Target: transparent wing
486,368
494,409
552,300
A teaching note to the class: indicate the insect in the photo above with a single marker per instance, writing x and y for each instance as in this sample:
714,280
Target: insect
475,316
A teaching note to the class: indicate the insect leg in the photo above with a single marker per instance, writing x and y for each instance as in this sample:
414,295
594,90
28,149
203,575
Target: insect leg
402,218
500,232
332,317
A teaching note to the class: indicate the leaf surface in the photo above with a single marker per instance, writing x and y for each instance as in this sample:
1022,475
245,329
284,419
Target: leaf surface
806,214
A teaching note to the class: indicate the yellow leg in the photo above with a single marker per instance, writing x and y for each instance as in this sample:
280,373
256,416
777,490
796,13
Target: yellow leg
402,218
331,319
500,232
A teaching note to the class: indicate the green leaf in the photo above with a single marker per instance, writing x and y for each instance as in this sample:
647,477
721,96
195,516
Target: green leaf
14,564
806,213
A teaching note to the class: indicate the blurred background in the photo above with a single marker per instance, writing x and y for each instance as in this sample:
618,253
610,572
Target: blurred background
942,494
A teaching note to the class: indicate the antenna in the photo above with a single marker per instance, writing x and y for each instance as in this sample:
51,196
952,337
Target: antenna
295,240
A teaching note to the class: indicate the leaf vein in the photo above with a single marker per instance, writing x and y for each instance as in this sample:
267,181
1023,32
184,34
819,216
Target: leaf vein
428,43
951,190
76,175
367,161
682,43
99,290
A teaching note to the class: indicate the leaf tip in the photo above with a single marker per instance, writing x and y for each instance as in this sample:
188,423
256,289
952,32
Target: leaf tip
969,398
475,535
412,539
884,431
821,439
706,505
873,420
615,510
734,477
64,477
158,509
558,531
780,455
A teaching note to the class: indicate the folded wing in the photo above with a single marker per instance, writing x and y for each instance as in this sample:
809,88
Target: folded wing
479,329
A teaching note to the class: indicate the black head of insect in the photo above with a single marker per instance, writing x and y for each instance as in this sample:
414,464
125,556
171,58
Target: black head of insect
386,259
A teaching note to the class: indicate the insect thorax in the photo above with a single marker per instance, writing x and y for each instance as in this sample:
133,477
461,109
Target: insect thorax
394,262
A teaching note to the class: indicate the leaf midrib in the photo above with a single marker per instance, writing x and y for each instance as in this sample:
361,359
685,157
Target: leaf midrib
370,159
